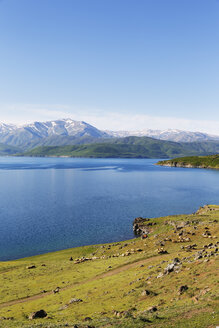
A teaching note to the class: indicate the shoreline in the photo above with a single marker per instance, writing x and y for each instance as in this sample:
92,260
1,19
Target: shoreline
188,166
199,162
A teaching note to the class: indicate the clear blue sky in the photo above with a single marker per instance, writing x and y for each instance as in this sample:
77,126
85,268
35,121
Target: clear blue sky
113,63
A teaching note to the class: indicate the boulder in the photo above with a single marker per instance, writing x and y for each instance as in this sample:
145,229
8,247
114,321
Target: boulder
38,314
31,267
169,268
182,289
152,309
56,290
146,292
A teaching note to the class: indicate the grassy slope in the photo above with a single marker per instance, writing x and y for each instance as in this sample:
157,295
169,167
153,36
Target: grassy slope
194,161
115,282
129,147
8,150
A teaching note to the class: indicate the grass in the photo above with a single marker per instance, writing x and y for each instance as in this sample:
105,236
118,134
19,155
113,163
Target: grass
113,282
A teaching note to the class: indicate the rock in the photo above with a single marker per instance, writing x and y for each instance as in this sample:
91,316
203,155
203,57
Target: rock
75,300
87,319
63,307
160,275
152,309
176,260
120,314
182,289
206,234
169,268
162,251
146,292
139,226
31,267
38,314
198,255
56,290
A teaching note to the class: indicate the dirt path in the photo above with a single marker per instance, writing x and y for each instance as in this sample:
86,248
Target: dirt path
101,276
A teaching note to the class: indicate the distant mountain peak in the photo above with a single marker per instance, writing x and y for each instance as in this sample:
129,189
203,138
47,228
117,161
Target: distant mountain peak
168,134
69,130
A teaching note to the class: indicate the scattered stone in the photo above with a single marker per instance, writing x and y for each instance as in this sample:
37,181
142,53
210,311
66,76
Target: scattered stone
87,319
206,234
152,309
169,268
56,290
120,314
160,275
75,300
182,289
162,251
147,292
63,307
31,267
6,318
176,260
81,260
38,314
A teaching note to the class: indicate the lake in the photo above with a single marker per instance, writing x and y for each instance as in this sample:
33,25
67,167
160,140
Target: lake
49,204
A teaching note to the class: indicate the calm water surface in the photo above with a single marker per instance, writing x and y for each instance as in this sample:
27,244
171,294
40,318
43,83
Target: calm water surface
49,204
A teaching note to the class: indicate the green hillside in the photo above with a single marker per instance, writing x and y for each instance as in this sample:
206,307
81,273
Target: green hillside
8,150
169,279
194,161
130,147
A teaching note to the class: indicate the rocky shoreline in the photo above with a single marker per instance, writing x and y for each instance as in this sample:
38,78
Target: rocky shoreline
142,226
185,165
177,164
200,162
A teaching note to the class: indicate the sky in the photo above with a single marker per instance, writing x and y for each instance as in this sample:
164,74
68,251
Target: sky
116,64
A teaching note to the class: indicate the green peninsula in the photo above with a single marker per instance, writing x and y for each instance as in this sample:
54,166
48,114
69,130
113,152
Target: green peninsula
207,162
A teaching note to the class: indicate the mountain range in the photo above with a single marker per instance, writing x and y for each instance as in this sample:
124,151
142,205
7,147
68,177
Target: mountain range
70,132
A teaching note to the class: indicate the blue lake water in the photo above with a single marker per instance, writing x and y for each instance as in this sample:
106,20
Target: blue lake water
49,204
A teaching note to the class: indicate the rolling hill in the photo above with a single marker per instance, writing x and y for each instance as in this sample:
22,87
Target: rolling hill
129,147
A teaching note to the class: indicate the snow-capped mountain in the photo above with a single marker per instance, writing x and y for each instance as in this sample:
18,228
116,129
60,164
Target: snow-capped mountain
67,131
23,136
66,127
6,128
170,135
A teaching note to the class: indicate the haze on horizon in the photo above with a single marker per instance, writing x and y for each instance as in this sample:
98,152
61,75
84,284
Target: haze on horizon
116,64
